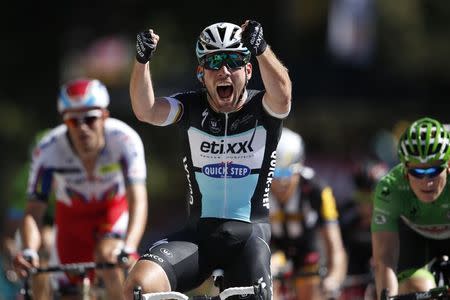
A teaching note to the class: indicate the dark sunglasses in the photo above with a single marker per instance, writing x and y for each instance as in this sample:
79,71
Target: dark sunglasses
88,118
427,172
233,60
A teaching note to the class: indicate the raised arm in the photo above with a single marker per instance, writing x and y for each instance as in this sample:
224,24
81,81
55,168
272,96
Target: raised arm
274,74
385,248
145,106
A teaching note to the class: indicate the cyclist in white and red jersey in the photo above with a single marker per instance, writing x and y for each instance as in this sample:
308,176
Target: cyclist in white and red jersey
96,167
230,134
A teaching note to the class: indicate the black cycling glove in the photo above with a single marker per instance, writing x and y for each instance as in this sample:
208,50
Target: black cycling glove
145,46
253,38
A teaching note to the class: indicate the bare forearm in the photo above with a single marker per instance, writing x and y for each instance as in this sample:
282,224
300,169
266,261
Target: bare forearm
385,278
31,224
337,265
385,248
141,91
31,236
275,77
137,222
336,255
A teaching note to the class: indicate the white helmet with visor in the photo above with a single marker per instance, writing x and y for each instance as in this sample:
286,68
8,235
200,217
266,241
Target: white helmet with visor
220,37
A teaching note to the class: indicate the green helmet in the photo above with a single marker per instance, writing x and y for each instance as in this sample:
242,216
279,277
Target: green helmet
425,141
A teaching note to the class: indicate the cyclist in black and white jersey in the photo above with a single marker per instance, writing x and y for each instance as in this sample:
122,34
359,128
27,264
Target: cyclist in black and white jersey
230,136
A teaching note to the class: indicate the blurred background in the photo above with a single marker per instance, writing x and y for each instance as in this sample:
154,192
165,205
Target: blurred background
361,71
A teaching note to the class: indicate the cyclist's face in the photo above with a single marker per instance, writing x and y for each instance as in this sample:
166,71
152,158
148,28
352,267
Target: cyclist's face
284,187
86,130
427,180
225,86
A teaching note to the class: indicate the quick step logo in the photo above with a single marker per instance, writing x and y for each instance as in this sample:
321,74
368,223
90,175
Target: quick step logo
226,170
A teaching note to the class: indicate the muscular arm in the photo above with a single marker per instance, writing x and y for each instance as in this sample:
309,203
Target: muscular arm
30,234
31,223
138,207
336,255
145,106
385,248
276,81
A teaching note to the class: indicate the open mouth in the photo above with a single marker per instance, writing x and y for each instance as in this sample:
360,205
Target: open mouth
83,138
224,90
428,192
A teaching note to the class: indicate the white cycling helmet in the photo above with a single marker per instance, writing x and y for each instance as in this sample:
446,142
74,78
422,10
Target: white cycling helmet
82,93
220,37
290,154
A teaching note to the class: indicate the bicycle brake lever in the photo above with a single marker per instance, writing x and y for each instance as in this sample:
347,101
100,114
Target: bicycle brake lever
137,293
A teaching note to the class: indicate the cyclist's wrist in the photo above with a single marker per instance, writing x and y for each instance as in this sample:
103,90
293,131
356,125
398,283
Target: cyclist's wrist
129,249
141,61
28,252
126,252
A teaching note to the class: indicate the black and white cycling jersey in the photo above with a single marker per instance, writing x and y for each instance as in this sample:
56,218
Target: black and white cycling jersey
229,158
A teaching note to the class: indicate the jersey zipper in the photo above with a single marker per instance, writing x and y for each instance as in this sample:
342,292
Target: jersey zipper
225,140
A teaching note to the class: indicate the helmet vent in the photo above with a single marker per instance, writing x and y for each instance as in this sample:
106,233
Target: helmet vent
210,47
233,33
210,35
235,45
221,31
425,141
220,37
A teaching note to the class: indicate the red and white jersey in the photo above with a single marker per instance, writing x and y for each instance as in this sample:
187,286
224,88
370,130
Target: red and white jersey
87,207
55,166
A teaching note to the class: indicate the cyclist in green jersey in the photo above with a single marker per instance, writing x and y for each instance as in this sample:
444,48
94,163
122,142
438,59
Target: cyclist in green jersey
411,217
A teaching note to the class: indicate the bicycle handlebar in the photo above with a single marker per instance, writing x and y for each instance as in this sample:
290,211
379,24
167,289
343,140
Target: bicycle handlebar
232,291
80,268
73,267
235,291
164,295
433,294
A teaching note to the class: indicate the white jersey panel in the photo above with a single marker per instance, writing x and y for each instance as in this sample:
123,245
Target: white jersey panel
55,165
246,148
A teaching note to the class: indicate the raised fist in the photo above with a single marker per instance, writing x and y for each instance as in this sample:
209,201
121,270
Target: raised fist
146,42
253,38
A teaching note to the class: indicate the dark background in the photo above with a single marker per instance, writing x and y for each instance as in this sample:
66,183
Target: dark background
393,66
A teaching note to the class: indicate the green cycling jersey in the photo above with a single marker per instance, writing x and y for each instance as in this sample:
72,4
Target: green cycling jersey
394,200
